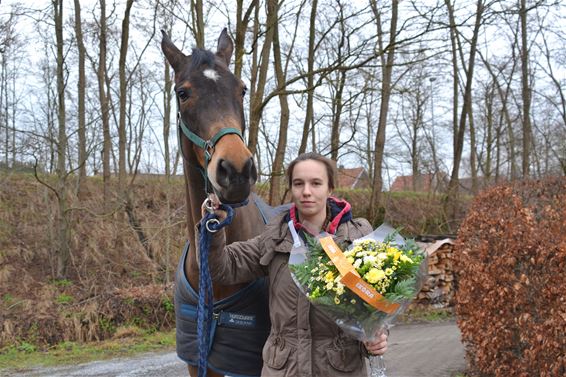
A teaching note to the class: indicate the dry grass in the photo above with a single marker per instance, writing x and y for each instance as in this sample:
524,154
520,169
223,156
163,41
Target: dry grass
106,260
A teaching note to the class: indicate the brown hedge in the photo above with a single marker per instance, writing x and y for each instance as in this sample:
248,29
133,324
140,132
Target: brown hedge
510,262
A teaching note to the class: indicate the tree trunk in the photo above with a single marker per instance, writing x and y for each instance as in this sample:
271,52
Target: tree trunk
4,109
257,99
104,107
337,102
242,21
167,97
123,96
81,94
308,123
526,91
198,22
504,97
277,174
387,64
417,123
337,108
62,222
452,197
488,163
473,153
254,79
456,80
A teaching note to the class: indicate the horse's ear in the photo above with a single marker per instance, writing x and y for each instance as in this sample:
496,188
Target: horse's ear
225,47
172,53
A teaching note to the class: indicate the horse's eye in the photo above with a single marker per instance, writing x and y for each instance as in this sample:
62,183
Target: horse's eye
183,94
244,91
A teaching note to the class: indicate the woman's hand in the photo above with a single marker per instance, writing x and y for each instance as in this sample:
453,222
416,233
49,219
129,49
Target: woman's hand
378,346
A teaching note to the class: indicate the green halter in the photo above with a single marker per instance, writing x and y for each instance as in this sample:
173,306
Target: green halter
206,145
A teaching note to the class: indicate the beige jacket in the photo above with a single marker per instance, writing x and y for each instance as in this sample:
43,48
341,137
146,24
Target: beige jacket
303,341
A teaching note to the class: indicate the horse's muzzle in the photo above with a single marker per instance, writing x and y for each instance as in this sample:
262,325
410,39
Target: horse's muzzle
235,184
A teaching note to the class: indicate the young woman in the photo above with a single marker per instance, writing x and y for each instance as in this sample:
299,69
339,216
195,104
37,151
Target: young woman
303,341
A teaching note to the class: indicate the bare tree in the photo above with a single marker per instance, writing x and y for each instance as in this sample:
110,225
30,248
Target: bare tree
242,22
198,22
104,103
63,227
387,61
490,140
557,97
451,201
309,122
10,44
81,98
337,85
526,90
257,101
413,104
123,98
497,74
280,73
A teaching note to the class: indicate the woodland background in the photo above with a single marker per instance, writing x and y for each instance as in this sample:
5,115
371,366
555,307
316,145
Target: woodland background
91,201
439,88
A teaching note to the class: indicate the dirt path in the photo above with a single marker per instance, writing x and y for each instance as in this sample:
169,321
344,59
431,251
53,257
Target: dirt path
419,350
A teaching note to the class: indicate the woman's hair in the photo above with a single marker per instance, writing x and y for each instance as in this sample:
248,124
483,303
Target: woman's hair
328,163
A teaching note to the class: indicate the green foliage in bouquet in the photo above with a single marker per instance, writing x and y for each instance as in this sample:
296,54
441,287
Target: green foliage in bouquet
391,269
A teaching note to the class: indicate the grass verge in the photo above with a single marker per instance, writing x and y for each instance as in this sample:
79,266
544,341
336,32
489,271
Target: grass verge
26,356
420,315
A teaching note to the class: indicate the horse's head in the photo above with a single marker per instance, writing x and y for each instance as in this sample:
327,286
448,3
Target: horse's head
210,104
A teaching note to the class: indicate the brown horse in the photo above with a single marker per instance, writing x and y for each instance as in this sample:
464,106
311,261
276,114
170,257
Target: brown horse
216,159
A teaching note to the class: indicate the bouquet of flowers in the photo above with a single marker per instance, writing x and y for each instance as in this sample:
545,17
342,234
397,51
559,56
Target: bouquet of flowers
365,287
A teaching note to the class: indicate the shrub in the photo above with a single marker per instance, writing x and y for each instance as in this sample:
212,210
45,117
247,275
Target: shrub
510,263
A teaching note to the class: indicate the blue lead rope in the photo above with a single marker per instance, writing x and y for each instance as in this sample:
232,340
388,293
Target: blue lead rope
208,225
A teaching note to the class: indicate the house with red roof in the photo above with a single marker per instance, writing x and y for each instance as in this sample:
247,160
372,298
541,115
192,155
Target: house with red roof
422,182
353,178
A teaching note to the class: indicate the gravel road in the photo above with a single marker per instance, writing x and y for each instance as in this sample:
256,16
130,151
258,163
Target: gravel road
415,350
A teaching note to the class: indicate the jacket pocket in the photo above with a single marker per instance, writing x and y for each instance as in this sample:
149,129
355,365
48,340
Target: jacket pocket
346,358
275,353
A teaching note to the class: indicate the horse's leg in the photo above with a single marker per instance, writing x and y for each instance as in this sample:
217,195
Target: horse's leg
193,372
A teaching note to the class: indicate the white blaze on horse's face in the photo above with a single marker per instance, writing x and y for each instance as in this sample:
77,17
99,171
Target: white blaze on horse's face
211,74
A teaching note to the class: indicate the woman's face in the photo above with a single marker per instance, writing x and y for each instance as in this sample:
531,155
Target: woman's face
309,188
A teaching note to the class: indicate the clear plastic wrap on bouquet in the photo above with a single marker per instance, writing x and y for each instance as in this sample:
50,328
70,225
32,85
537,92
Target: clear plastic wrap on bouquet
364,287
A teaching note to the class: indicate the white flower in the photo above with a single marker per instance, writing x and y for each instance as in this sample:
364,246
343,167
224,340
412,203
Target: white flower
371,259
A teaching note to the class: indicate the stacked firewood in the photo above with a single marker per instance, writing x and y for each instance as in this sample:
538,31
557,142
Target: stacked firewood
438,289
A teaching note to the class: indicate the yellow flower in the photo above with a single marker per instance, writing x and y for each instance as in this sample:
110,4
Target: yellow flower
405,258
339,289
350,260
329,286
388,271
353,301
329,277
336,300
374,275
